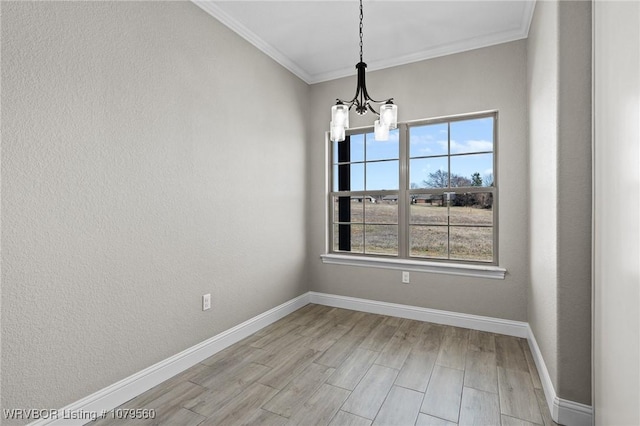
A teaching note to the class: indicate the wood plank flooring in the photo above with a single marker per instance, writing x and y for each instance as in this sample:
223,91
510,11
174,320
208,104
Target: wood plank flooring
330,366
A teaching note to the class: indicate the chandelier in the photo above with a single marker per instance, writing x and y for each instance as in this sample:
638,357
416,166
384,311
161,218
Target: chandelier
388,115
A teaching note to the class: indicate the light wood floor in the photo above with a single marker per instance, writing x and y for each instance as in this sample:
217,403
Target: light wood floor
330,366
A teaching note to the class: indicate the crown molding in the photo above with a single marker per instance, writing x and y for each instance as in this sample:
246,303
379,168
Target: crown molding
488,40
521,32
226,19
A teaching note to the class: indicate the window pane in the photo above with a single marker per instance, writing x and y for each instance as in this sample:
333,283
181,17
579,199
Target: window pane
428,209
349,209
355,177
472,209
470,170
472,135
428,140
382,175
471,243
353,233
381,239
384,210
428,241
429,173
356,149
383,150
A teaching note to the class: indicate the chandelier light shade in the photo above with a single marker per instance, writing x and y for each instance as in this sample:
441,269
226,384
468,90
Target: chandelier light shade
337,131
389,115
340,115
363,102
380,131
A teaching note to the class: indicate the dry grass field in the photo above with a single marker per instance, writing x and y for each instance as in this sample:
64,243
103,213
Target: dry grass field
469,235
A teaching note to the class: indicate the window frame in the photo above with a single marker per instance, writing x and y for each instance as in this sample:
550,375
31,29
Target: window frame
403,259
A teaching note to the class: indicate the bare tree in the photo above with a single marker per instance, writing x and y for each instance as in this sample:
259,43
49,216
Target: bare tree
442,179
437,179
459,181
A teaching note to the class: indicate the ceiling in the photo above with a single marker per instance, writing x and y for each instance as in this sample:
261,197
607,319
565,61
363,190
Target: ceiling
318,40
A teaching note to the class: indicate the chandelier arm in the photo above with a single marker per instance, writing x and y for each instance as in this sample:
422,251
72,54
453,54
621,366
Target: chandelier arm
350,103
355,101
362,85
386,101
373,101
362,88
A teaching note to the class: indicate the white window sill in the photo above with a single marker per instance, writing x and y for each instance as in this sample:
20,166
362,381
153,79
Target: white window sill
467,270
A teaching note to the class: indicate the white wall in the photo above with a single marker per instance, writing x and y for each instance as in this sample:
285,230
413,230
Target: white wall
542,85
478,80
143,165
616,351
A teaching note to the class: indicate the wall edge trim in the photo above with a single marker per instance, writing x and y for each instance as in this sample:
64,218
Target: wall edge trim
474,322
563,411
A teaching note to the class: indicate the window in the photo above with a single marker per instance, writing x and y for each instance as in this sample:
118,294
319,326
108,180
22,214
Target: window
428,193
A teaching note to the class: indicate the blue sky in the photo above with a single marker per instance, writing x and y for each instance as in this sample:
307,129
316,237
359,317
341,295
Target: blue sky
427,143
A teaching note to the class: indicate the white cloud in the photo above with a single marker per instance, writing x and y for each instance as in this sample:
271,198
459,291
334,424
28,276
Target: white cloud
471,146
422,145
422,139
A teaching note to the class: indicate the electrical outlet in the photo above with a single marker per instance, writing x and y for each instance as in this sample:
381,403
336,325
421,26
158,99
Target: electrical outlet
405,277
206,302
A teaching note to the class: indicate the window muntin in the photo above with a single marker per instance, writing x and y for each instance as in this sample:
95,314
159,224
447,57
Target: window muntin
426,194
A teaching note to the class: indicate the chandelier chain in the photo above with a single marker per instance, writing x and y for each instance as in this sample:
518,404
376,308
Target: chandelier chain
361,16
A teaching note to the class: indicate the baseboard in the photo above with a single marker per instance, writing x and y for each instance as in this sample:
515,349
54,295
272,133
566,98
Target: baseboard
118,393
563,411
474,322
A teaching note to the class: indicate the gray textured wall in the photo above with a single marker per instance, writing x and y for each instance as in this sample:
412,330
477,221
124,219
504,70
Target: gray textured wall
574,202
542,86
144,164
559,85
478,80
